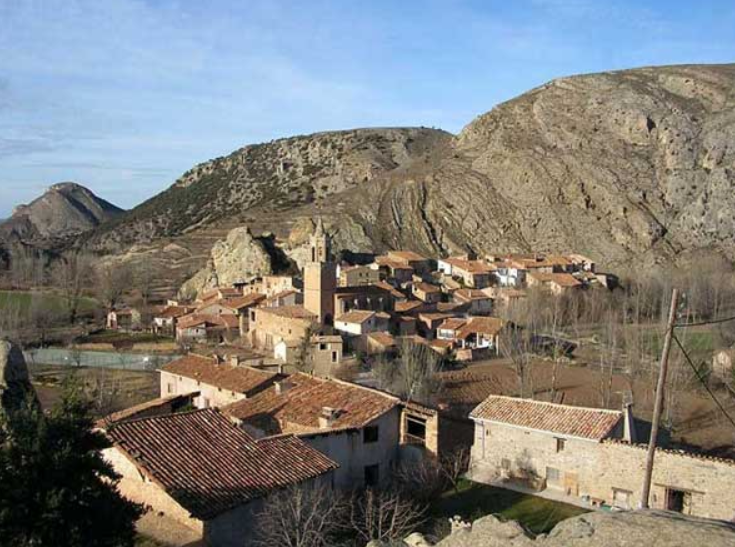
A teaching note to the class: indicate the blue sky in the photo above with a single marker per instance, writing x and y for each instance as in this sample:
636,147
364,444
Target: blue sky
125,95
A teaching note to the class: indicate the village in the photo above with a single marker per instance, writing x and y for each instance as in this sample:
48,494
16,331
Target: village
349,374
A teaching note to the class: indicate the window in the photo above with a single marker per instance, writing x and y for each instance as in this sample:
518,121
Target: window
370,434
505,464
560,444
621,498
322,346
169,388
372,475
334,357
416,427
678,500
553,476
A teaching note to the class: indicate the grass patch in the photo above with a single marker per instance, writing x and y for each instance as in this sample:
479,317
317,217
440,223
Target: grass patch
116,337
23,300
474,500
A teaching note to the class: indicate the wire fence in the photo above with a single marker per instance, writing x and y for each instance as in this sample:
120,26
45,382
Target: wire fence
98,359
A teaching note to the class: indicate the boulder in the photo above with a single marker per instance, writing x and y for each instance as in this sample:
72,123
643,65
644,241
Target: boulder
15,382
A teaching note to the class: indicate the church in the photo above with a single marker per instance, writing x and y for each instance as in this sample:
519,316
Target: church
323,301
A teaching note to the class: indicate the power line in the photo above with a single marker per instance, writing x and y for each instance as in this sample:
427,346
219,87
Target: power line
703,323
702,381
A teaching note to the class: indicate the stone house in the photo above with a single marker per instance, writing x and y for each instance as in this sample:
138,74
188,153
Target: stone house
479,302
359,322
124,319
288,297
270,285
590,454
206,473
165,321
475,274
426,292
556,283
269,326
355,426
201,328
392,270
355,276
419,264
326,353
428,322
216,381
369,297
478,337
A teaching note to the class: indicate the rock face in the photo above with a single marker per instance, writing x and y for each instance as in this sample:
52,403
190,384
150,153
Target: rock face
257,180
65,209
649,528
239,257
629,167
15,383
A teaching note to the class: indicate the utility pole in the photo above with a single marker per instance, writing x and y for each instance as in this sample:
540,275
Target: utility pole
658,406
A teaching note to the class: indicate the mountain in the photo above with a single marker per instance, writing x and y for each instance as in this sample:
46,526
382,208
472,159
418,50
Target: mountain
66,209
632,168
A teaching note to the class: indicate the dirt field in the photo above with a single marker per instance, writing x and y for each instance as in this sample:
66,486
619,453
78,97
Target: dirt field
111,390
695,418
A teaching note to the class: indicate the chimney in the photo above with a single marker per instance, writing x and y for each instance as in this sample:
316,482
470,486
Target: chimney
327,417
629,432
234,361
282,386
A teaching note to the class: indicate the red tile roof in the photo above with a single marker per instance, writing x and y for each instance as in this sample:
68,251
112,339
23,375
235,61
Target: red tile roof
489,326
297,409
209,465
587,423
207,370
292,312
242,302
427,287
356,316
174,312
161,405
407,255
561,279
214,321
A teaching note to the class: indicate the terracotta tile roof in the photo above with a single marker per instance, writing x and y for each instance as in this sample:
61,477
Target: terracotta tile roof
561,279
587,423
174,312
489,326
297,409
452,307
385,339
453,323
242,302
390,288
391,263
148,408
216,294
409,305
407,255
471,266
209,465
196,319
427,287
471,294
207,370
356,316
293,312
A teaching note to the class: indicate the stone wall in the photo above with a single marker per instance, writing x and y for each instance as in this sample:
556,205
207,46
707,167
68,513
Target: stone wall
611,471
209,396
349,450
267,329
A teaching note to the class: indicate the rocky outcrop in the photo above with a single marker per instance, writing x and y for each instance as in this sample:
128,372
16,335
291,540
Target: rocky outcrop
65,209
624,529
15,382
632,168
237,258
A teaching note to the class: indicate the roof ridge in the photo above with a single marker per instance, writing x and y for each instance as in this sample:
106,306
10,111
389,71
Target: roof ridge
549,403
160,417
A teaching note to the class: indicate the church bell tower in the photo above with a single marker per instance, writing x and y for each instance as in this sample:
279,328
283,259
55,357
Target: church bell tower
320,277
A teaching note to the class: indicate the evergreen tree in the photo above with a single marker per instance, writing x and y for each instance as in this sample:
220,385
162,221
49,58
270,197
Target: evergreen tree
55,487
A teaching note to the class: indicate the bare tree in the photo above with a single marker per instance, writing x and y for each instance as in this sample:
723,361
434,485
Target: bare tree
301,516
385,515
515,345
111,280
416,373
70,276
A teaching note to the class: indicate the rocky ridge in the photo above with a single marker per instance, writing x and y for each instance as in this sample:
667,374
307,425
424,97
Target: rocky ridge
66,209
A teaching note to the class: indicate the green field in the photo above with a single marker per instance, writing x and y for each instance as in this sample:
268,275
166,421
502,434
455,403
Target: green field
473,500
51,301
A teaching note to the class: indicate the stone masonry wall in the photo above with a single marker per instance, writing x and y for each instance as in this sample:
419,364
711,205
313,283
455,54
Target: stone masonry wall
596,469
